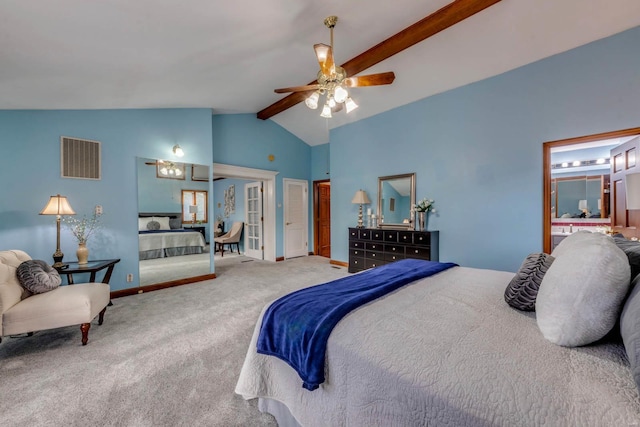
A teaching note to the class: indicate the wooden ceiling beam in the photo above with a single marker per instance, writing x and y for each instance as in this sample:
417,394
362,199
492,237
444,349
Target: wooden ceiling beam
440,20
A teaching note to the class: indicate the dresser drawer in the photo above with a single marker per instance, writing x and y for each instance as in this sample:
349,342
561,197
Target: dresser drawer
356,244
374,255
365,234
370,263
374,246
358,253
390,235
353,234
377,235
406,237
420,238
394,249
418,252
356,264
391,257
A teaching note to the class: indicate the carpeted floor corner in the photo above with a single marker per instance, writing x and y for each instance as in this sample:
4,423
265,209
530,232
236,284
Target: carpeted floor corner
163,358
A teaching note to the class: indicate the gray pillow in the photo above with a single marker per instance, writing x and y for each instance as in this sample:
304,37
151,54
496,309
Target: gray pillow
630,329
632,250
581,295
153,225
37,276
175,223
522,291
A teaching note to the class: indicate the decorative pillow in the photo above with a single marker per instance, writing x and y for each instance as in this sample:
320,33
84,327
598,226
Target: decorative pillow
175,223
153,225
164,222
522,291
632,250
630,329
37,276
142,223
580,297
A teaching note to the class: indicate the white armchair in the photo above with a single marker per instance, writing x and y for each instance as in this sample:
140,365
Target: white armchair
230,238
68,305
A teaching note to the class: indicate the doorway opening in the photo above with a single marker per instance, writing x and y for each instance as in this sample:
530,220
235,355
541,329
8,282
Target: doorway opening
322,218
550,202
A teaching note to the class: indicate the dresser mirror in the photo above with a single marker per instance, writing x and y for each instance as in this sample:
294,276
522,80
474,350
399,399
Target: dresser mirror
396,197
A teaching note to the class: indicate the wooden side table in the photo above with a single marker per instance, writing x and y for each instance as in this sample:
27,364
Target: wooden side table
92,267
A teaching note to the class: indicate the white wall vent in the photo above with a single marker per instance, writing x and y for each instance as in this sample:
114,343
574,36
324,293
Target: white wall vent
80,158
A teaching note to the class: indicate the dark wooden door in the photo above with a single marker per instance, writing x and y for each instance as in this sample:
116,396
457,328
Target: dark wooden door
323,219
625,159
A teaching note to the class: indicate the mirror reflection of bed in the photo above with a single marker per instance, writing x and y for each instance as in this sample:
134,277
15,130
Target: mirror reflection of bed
173,222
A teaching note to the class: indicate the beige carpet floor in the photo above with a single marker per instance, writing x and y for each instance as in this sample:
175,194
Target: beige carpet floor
160,270
164,358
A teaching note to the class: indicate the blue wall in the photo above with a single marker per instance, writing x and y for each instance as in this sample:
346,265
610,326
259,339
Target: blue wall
31,171
243,140
477,150
320,162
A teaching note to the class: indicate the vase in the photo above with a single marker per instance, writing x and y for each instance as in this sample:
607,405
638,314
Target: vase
422,221
82,253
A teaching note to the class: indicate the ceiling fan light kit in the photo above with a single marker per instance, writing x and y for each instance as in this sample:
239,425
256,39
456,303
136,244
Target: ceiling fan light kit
332,81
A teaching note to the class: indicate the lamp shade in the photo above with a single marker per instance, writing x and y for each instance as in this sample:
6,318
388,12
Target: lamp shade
360,198
632,190
582,204
58,205
193,209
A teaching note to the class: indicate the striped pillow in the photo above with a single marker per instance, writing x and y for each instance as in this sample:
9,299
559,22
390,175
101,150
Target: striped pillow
522,291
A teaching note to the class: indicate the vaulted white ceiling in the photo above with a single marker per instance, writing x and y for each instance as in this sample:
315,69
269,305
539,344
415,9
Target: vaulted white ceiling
230,55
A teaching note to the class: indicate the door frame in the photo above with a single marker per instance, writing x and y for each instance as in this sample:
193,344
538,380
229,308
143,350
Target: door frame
546,173
316,187
268,179
305,210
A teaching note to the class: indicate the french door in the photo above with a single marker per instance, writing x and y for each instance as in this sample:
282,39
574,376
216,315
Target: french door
253,246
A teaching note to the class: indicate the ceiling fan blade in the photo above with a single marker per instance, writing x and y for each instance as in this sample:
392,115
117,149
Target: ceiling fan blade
324,54
296,89
442,19
371,79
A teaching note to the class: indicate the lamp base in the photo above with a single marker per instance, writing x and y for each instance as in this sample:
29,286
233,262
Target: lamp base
360,224
57,259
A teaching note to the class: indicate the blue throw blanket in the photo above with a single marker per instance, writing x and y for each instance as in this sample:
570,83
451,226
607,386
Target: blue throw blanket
296,327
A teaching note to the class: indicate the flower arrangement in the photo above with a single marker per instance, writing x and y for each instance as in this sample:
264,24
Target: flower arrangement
82,228
424,205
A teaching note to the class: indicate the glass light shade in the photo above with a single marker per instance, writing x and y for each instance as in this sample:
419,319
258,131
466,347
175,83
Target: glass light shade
312,101
340,94
164,171
350,104
326,111
331,102
177,150
58,205
178,172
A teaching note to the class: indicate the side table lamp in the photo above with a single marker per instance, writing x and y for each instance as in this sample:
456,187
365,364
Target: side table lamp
58,205
360,198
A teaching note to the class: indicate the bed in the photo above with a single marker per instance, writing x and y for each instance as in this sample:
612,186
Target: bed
161,235
448,350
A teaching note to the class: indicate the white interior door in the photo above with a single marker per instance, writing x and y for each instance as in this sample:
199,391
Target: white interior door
253,220
295,218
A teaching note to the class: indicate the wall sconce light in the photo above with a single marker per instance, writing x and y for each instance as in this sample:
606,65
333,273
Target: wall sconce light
177,150
58,205
360,198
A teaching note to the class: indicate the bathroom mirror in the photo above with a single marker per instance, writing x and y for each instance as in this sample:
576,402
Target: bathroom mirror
584,196
176,246
396,197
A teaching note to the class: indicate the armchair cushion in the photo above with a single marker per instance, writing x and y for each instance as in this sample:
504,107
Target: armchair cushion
38,277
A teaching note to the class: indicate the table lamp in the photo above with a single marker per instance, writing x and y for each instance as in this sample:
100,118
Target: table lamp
360,198
58,205
193,210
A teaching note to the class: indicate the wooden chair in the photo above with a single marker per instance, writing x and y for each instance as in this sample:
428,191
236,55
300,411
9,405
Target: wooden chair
230,238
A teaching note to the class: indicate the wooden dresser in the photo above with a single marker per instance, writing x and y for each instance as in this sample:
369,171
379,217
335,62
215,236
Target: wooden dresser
371,247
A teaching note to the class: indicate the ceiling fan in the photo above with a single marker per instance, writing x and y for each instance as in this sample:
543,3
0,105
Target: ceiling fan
447,16
332,80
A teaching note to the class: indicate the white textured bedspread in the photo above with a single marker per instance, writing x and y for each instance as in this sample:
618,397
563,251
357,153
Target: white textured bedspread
448,351
152,241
